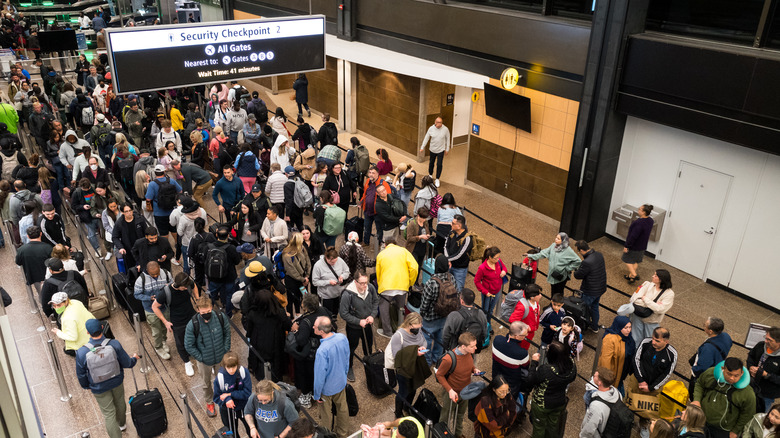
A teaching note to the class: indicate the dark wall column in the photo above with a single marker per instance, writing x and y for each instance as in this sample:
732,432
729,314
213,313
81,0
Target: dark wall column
599,133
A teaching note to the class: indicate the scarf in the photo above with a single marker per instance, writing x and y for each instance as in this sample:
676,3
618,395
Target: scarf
615,329
564,242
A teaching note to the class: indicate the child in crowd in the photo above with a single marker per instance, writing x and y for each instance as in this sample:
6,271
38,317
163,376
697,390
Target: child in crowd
531,264
318,179
232,389
571,336
551,319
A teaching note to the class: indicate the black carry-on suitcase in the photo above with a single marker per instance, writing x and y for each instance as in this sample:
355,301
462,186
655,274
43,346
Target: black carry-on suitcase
133,303
119,288
427,406
576,308
441,429
379,379
148,411
230,430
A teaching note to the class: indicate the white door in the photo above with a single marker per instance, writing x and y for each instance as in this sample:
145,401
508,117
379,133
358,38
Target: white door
461,120
693,218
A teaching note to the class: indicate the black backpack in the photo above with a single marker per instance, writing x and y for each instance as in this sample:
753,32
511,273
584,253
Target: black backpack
196,323
471,323
260,112
101,135
166,195
620,420
125,166
216,262
71,287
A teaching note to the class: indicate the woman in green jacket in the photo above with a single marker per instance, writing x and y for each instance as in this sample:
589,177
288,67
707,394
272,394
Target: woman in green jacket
764,425
562,260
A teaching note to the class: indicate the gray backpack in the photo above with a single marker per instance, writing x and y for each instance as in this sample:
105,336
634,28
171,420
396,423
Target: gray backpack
302,196
102,362
510,302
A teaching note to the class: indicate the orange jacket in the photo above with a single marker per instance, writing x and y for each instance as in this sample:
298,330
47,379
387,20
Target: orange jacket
365,190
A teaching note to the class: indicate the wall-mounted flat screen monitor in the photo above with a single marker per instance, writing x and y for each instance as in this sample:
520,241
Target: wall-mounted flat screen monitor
58,40
508,107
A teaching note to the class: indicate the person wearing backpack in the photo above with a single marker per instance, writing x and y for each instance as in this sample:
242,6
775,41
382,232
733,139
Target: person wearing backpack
258,108
725,395
457,248
328,220
390,213
99,368
147,287
60,277
98,135
549,382
510,359
16,202
294,203
162,192
528,310
358,161
328,133
232,390
468,318
454,373
220,259
207,339
80,203
10,159
178,298
715,349
439,299
604,409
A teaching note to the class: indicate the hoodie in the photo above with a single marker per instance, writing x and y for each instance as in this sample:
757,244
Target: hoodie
709,353
70,149
355,307
727,407
597,414
321,277
272,418
550,384
769,386
236,119
284,159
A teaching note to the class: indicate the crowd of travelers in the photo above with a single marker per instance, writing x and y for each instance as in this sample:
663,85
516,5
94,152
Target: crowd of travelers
135,171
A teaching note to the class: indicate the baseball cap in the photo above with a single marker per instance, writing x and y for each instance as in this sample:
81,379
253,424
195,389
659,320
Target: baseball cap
159,168
100,118
116,124
94,327
58,298
251,116
246,248
54,264
289,169
254,269
257,188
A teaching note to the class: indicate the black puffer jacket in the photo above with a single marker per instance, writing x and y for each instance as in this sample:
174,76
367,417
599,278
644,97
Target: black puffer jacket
550,384
768,386
593,273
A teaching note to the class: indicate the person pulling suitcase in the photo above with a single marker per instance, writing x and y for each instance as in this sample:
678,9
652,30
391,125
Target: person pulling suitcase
454,373
99,368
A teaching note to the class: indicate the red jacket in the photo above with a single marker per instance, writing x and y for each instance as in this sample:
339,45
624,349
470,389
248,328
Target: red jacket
532,319
489,281
365,190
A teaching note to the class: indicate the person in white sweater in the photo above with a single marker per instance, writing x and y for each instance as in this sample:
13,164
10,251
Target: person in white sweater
274,231
439,135
274,187
185,226
329,275
282,153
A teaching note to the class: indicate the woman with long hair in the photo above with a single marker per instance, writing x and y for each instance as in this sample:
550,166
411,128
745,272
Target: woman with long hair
656,295
314,247
338,181
354,255
661,429
447,211
490,278
50,189
247,223
141,183
62,252
404,182
549,382
764,425
266,323
297,270
278,121
495,411
693,423
329,276
384,166
408,336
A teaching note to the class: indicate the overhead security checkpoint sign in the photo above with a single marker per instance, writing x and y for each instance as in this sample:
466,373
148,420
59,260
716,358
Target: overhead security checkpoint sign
158,57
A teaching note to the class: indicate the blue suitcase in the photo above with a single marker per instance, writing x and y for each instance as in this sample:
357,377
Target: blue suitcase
429,264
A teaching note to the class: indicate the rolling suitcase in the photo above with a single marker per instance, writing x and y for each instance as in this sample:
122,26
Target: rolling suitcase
576,308
441,429
429,264
119,286
427,407
356,224
379,379
133,304
148,412
230,430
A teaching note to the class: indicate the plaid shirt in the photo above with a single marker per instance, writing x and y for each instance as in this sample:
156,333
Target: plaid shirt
330,152
147,287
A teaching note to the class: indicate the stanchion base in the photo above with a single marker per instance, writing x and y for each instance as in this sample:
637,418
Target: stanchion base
41,329
144,370
64,399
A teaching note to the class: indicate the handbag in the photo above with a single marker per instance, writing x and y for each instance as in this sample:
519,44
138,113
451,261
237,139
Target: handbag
292,348
644,312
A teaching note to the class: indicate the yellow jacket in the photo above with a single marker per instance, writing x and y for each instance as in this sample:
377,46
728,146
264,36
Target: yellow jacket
177,120
396,269
74,331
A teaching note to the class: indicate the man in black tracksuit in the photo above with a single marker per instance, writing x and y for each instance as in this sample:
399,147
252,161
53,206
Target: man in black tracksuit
593,273
654,361
457,248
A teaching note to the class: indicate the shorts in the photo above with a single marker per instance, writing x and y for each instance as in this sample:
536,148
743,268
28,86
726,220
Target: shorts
163,224
630,257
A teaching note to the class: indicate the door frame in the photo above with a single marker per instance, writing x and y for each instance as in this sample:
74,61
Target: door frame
675,192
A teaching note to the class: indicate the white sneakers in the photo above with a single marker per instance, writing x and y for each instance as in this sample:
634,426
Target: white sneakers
108,255
123,428
189,369
437,183
175,262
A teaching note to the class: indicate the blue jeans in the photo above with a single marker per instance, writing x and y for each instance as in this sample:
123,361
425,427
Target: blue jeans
63,175
234,136
460,276
432,332
488,304
367,222
329,241
225,291
92,233
185,263
768,402
592,302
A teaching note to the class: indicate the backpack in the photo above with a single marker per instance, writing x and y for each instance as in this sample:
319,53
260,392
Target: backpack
9,164
291,392
397,207
21,211
302,196
87,116
453,357
435,204
331,135
472,324
448,300
261,112
312,136
221,377
510,303
333,223
125,166
216,262
478,248
620,420
278,264
102,362
71,287
166,195
196,323
362,159
100,136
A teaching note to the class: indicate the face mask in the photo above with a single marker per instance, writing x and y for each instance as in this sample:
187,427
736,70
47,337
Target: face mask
206,316
414,331
60,310
93,167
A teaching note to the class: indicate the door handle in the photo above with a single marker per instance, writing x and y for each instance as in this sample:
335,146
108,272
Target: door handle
711,231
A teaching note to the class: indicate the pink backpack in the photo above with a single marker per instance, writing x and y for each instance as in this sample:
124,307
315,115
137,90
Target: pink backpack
435,204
